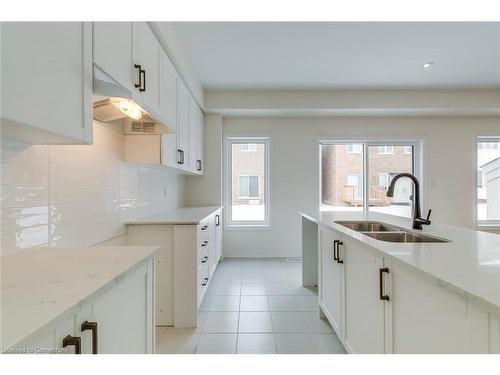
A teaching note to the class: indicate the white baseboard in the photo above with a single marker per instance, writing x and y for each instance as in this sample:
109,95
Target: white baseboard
260,254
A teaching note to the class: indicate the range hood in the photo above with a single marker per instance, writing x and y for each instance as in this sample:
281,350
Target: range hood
112,102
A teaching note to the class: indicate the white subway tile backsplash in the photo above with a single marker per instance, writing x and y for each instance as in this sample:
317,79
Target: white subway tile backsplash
78,195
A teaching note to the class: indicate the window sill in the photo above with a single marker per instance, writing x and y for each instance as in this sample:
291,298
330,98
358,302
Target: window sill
245,227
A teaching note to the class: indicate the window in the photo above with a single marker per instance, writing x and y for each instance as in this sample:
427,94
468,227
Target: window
383,180
248,187
248,147
354,148
488,181
359,182
247,181
384,150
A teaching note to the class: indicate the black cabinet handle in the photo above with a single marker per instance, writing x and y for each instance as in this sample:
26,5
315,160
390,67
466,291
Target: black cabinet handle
335,249
204,227
143,88
198,162
139,74
206,282
381,283
92,326
204,259
182,155
205,243
340,243
179,156
217,220
73,341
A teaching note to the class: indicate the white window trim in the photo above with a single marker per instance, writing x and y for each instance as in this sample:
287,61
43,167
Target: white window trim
258,185
418,162
229,140
482,224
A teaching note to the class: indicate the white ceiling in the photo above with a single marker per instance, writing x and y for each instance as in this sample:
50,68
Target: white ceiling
333,55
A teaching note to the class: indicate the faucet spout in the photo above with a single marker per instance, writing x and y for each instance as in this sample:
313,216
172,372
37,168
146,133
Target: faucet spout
417,220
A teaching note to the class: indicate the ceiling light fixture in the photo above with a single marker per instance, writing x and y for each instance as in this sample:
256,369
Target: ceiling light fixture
427,65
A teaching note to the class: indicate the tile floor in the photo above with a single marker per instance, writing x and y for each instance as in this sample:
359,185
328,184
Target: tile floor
255,306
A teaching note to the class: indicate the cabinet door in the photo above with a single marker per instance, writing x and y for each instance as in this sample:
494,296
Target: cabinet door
364,310
146,53
122,315
46,80
428,317
212,246
168,91
113,51
193,135
331,282
183,124
199,142
218,235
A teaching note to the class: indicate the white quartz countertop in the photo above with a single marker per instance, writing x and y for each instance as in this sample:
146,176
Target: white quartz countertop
469,262
40,284
185,216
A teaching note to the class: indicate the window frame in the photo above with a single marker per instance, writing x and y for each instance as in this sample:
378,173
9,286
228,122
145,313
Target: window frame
354,149
249,149
418,155
482,224
229,141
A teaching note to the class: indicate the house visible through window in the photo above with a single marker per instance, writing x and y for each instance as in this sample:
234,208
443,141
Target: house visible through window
488,181
359,182
385,150
247,181
249,147
248,186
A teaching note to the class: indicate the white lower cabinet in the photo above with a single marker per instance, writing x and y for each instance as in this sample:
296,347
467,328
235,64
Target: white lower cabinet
117,321
379,305
187,260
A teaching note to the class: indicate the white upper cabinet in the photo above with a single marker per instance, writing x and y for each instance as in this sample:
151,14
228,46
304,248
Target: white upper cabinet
184,99
147,65
113,51
46,80
200,167
193,135
168,93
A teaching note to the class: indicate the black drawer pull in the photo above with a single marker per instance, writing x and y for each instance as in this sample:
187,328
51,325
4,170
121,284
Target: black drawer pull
335,249
340,243
205,282
205,243
204,227
73,341
381,283
217,220
138,85
204,259
92,326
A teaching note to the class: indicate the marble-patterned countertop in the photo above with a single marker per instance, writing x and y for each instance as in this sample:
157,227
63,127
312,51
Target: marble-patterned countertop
469,262
41,284
183,216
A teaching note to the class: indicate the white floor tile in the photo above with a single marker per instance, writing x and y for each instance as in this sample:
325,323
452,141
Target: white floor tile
289,289
221,322
315,324
256,343
177,344
289,322
295,344
328,343
257,322
207,302
217,344
225,303
283,303
308,303
254,303
253,290
228,289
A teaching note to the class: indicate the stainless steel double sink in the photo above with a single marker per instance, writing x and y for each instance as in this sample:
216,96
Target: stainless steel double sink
388,233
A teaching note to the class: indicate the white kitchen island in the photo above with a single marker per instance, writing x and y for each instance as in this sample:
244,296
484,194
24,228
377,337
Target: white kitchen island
387,297
48,294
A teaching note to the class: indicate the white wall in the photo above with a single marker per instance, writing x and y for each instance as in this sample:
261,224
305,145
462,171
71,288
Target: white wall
449,169
78,195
